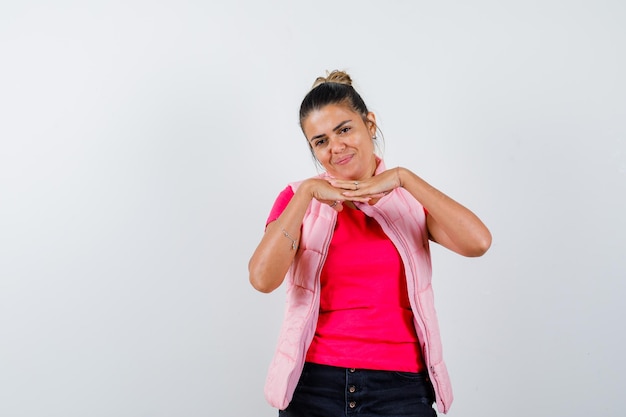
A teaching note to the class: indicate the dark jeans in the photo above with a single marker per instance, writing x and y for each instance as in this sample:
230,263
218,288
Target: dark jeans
328,391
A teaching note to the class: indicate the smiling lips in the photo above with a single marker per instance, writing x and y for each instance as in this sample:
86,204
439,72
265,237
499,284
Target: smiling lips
343,160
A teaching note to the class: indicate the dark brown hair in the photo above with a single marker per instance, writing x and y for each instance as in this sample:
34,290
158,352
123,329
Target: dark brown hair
335,88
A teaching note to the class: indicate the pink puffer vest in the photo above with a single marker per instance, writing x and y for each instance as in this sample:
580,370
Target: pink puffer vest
402,218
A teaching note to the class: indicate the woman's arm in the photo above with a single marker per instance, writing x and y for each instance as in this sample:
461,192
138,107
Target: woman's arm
273,257
449,223
274,254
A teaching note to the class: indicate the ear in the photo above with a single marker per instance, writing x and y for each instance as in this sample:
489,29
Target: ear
371,123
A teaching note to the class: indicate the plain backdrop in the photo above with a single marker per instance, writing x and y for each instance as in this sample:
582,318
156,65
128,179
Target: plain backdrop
142,144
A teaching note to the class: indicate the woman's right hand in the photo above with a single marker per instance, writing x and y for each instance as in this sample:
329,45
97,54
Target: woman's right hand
278,247
324,192
275,253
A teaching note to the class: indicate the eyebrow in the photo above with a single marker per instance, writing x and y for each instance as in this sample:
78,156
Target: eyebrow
336,128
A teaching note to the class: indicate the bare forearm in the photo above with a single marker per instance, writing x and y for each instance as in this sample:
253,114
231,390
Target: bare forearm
450,224
273,257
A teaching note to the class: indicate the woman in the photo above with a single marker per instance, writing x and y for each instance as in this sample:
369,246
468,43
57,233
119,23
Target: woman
360,335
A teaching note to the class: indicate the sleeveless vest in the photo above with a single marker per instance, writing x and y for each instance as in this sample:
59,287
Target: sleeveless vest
403,220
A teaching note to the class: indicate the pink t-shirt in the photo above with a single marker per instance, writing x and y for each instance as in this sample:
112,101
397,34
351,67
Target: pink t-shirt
365,317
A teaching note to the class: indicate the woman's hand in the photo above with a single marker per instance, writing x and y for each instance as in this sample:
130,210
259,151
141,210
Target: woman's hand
327,193
371,189
275,253
449,223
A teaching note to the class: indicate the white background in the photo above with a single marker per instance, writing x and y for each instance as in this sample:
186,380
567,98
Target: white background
143,143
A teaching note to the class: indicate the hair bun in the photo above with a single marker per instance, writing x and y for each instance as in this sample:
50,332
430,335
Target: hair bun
336,76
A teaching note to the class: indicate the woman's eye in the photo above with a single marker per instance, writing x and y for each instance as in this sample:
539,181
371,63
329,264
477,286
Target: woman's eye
320,142
344,130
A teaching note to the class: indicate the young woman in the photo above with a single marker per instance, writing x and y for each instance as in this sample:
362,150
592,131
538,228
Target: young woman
360,335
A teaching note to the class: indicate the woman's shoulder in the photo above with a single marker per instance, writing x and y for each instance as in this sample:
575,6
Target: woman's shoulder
295,184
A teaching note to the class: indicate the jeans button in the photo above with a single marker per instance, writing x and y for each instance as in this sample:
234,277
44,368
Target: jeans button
352,404
352,388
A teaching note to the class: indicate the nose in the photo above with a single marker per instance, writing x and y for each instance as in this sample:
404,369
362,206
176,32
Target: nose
336,144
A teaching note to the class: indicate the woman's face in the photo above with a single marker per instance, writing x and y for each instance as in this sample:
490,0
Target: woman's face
342,141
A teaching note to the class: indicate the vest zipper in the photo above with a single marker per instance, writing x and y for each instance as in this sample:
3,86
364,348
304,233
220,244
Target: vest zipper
405,247
412,267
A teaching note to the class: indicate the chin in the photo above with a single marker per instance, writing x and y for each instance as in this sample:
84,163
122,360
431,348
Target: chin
341,176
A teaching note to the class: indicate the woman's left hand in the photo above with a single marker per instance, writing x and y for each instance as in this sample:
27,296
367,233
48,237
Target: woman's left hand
374,187
449,223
